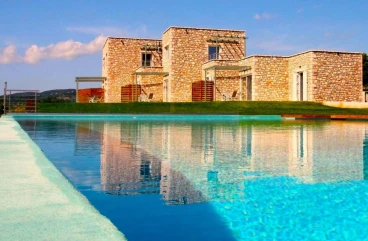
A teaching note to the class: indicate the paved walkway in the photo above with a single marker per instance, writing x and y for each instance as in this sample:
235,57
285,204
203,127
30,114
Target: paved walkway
36,201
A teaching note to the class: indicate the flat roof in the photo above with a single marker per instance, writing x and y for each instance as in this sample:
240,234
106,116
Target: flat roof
90,79
212,29
305,52
150,39
147,39
176,27
326,51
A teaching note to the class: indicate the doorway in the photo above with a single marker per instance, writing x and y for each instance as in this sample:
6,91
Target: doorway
300,86
248,82
166,90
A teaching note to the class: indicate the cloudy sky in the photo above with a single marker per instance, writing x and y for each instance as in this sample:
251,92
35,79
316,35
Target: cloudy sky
45,44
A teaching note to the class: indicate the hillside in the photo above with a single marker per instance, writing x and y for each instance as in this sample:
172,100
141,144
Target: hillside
57,95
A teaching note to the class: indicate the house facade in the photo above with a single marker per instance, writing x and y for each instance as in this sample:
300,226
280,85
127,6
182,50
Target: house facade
195,64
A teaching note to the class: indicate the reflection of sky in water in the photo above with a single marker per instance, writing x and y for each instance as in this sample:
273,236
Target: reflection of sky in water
264,180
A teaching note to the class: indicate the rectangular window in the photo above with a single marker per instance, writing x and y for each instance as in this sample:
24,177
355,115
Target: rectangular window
146,59
167,52
213,52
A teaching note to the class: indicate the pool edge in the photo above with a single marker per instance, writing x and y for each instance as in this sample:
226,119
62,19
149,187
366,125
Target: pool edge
55,223
152,117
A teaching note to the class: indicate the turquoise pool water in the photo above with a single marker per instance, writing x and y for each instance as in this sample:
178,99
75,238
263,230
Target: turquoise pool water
237,179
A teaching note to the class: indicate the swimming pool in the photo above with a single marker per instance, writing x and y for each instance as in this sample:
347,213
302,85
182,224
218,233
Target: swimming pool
168,179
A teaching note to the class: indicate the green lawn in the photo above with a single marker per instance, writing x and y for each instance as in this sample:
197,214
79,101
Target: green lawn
243,108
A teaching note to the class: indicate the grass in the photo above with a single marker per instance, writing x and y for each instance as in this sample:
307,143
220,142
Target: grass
241,108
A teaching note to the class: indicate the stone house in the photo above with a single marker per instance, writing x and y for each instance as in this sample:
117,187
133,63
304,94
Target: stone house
197,64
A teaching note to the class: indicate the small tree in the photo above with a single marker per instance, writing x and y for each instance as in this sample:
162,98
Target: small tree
365,70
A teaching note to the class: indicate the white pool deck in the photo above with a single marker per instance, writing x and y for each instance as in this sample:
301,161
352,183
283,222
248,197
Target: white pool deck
36,201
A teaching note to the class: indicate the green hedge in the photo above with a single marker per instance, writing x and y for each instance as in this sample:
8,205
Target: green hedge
243,108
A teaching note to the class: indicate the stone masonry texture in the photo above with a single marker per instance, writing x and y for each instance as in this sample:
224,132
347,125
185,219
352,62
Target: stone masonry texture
269,77
183,58
337,76
121,58
189,51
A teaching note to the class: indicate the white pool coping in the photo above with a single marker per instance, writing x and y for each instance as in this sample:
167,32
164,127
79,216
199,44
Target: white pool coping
36,201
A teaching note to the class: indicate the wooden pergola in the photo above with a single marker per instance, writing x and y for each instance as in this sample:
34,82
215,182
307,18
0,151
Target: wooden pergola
87,79
240,68
146,73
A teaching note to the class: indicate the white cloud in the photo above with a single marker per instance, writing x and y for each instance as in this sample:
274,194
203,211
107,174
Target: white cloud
9,55
66,50
257,16
263,16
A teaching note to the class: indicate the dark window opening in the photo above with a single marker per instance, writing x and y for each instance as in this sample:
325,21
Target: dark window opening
145,169
213,52
301,81
146,59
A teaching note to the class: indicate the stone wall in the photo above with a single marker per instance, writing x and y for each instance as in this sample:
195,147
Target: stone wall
166,63
105,67
151,83
121,58
337,76
188,51
330,76
302,62
269,77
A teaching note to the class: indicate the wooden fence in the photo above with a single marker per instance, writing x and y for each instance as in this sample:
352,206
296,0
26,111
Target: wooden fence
202,91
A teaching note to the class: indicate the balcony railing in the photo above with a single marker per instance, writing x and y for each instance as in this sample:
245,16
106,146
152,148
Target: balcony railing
219,56
146,63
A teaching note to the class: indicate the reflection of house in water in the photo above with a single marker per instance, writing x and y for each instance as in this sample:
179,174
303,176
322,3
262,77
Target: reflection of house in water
337,152
188,163
365,155
177,189
301,152
88,138
125,168
313,153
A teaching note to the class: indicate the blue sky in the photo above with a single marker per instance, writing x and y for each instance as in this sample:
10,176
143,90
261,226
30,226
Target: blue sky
46,44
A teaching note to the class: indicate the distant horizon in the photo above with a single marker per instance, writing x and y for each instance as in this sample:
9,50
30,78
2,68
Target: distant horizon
40,91
50,55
